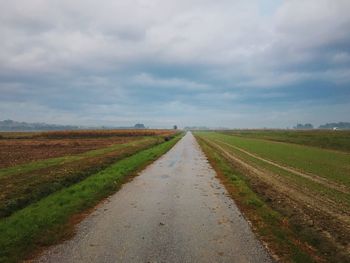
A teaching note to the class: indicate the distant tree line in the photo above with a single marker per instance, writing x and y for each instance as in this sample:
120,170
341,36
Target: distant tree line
10,125
333,125
339,125
306,126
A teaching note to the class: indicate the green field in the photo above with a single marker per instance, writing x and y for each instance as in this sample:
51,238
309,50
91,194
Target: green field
329,164
302,183
336,140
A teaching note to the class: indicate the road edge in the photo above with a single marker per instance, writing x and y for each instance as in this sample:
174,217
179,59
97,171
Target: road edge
29,231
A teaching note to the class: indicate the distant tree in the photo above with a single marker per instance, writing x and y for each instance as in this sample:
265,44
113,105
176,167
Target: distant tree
139,126
306,126
338,125
175,127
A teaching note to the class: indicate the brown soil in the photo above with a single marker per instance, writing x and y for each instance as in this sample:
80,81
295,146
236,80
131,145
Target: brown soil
21,189
313,216
20,151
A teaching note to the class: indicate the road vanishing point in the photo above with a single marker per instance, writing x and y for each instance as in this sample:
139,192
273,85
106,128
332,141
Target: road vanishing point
176,210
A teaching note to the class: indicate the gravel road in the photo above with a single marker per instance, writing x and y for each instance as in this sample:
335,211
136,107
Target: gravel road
176,210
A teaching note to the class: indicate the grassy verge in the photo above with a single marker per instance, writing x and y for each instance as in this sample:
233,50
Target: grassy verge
271,226
42,223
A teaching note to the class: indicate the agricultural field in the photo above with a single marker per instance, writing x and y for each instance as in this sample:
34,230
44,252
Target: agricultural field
336,140
293,186
46,178
23,147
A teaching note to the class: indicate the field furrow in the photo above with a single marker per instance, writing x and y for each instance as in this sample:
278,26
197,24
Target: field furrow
315,202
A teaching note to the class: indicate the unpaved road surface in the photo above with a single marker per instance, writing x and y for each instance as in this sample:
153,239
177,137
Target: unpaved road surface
175,211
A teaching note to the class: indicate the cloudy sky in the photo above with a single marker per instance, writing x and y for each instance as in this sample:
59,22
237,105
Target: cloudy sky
224,63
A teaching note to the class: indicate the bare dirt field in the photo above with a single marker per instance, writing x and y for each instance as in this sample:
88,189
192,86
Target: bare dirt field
34,165
20,148
19,151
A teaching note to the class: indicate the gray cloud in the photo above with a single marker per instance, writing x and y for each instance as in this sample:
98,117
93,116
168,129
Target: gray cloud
122,61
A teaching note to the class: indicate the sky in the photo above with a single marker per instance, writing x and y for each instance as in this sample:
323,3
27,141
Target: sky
223,63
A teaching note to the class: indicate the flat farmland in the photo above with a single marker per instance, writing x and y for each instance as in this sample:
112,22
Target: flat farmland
39,164
39,167
336,140
293,187
23,147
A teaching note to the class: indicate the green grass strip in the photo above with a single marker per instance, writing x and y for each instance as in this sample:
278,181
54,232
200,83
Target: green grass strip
24,230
